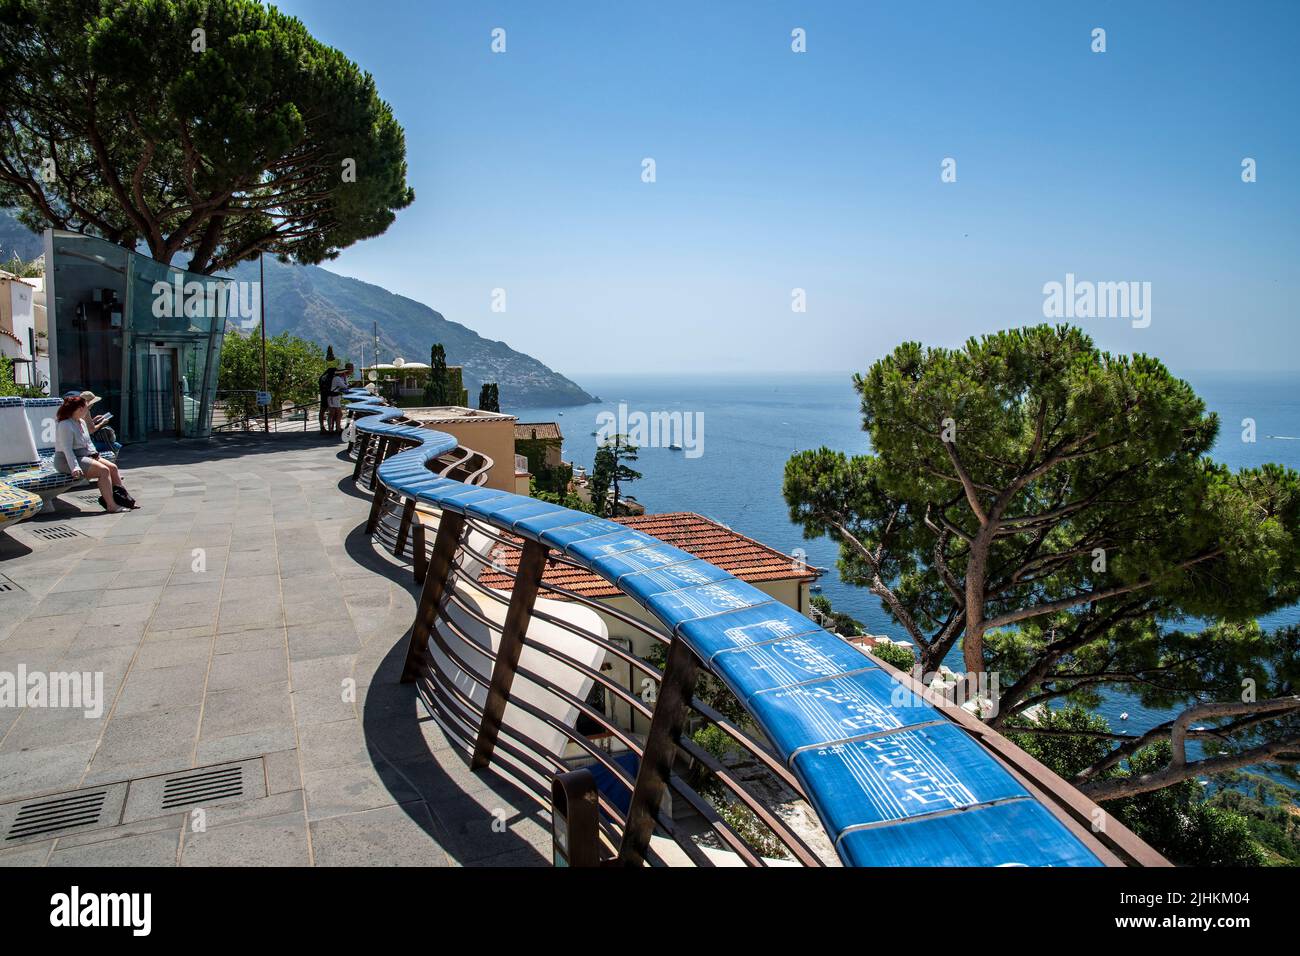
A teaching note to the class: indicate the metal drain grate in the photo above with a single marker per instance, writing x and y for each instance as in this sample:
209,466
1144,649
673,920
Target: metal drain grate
222,783
129,801
52,816
206,786
55,532
7,585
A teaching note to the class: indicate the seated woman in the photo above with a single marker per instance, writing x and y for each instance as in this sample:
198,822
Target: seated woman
104,437
75,455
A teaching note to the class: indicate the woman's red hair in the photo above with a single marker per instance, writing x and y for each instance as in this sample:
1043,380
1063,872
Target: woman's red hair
69,407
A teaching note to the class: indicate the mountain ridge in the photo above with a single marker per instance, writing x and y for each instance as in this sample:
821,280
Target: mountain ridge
340,311
332,309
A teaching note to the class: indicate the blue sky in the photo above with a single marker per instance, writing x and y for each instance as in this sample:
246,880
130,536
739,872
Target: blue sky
821,171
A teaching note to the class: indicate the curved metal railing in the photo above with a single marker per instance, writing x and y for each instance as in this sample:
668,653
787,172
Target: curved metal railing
731,710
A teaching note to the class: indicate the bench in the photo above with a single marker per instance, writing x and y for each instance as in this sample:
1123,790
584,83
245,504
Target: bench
27,450
16,504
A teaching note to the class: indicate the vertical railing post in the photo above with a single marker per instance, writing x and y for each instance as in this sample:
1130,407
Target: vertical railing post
378,499
404,527
666,724
575,827
420,567
532,562
362,446
445,544
381,452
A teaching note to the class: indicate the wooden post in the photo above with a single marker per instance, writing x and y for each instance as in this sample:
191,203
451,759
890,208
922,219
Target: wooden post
381,452
421,567
363,446
575,827
527,580
660,751
378,501
404,527
435,584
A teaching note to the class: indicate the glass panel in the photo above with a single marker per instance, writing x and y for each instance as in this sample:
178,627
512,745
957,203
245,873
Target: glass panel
160,393
193,362
109,300
88,314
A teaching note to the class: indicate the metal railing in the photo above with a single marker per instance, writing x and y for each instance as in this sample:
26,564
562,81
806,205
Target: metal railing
716,790
523,679
238,410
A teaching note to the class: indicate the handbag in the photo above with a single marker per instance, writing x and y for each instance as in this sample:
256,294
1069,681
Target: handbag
121,496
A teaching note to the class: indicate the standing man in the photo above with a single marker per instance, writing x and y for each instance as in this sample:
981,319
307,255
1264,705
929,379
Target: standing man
326,383
337,387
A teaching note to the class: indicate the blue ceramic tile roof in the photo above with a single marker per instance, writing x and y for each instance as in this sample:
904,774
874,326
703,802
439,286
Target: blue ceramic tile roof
1020,833
754,625
530,509
644,585
903,774
565,535
893,780
788,661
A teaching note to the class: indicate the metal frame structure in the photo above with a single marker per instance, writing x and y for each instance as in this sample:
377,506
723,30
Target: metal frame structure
700,806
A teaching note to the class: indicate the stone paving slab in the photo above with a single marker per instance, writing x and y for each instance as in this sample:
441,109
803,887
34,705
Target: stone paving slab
240,613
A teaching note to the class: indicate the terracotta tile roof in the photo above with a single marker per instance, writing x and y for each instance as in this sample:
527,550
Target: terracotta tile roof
526,431
744,557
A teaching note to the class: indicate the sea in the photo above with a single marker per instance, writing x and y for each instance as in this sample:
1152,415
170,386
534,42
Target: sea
745,427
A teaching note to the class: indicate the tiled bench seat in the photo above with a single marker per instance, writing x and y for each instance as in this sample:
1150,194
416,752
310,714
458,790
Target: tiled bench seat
26,462
17,504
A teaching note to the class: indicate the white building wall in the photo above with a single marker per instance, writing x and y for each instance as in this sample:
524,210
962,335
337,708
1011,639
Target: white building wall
17,317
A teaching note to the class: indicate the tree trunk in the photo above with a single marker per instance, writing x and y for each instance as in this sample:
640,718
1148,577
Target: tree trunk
973,640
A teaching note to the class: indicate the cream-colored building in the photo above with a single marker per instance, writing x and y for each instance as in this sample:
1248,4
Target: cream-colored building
539,453
489,433
548,436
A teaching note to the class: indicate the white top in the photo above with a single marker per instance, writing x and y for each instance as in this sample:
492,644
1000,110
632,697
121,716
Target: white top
338,385
71,437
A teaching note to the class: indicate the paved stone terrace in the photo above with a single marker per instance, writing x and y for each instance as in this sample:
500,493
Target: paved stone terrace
246,656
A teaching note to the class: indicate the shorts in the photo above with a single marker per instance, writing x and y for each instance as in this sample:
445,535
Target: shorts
83,462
